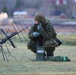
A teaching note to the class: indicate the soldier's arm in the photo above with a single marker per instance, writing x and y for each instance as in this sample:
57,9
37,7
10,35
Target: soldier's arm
51,32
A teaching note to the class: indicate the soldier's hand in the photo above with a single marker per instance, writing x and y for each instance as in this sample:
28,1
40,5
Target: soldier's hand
35,34
39,27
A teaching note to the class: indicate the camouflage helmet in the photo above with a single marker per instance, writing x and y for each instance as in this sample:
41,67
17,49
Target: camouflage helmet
39,17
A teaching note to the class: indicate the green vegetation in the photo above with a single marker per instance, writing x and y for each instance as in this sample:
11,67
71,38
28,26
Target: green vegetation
68,39
18,3
5,10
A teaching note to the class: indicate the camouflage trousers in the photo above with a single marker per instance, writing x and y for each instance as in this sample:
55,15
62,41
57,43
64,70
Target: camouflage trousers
48,47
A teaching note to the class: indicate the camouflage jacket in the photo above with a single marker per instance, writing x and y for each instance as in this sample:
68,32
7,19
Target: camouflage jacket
48,33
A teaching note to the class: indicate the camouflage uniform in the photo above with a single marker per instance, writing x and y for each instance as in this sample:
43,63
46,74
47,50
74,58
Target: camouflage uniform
48,34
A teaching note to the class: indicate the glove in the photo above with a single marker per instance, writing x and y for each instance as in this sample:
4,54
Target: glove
35,34
41,30
39,27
